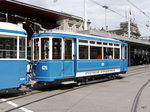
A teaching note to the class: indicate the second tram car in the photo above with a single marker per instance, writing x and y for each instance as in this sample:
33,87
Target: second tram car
60,55
13,57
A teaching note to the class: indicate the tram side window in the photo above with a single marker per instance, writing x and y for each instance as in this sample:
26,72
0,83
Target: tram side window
68,49
44,48
83,52
108,53
116,53
8,47
36,49
22,47
57,48
95,52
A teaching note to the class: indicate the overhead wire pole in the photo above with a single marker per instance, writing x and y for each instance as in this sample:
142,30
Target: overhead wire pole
144,13
138,9
85,16
129,23
105,7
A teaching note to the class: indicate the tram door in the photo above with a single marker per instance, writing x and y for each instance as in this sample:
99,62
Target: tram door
124,57
68,66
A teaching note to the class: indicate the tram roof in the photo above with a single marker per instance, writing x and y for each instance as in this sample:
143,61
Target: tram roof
11,28
77,35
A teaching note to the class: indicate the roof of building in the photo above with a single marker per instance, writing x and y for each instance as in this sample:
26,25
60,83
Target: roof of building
27,10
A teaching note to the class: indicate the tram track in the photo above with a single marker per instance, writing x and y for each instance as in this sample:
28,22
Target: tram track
137,97
38,92
63,91
138,68
137,72
73,88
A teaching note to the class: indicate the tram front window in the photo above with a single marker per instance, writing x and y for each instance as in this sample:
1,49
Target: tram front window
57,48
8,47
44,48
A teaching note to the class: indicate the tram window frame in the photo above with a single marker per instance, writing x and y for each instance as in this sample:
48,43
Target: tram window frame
45,48
22,47
54,57
92,42
107,54
97,50
83,41
99,43
9,48
85,55
68,50
105,43
117,54
110,44
36,49
117,45
126,52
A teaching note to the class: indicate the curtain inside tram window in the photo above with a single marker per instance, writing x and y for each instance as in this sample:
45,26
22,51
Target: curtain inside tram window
57,48
8,47
83,52
44,48
68,49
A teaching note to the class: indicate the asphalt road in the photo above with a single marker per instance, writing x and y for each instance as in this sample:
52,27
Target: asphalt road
128,94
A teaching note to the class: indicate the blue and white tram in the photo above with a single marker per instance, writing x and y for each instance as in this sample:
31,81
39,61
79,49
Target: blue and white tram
60,55
13,57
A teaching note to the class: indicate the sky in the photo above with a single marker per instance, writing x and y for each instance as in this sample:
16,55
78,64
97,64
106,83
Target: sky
98,16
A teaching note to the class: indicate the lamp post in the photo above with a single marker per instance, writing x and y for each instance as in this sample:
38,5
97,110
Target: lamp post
105,7
85,16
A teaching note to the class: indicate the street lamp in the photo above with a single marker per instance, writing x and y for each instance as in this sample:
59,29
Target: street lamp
105,7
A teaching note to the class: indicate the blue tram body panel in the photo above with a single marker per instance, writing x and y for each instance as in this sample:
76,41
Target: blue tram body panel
52,70
100,67
88,65
12,73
